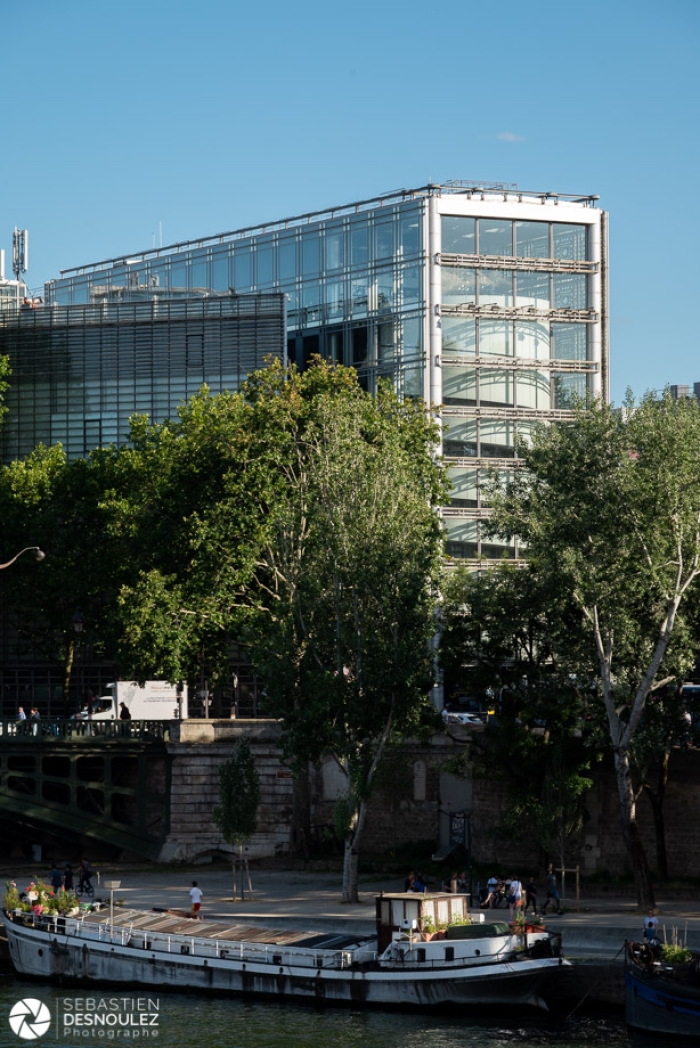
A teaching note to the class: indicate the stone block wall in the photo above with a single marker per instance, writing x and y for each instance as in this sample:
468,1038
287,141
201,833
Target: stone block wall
406,805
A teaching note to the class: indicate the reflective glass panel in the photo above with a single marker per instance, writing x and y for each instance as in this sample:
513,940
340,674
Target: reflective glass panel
265,271
458,235
532,339
465,490
287,259
458,285
156,274
410,233
178,276
411,279
386,342
569,241
334,248
412,338
533,390
532,289
198,272
311,294
525,430
413,381
496,338
458,335
568,389
497,440
458,385
569,341
219,271
385,290
532,239
241,270
569,291
495,237
358,294
358,243
334,298
495,287
495,388
459,437
384,240
310,254
462,540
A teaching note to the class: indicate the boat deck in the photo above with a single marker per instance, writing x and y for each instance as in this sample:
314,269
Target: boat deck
171,922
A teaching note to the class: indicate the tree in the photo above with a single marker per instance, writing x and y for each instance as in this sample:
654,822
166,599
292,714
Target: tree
55,503
508,638
299,516
342,636
608,506
239,794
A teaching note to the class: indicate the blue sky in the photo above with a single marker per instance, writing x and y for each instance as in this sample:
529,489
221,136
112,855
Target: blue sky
124,121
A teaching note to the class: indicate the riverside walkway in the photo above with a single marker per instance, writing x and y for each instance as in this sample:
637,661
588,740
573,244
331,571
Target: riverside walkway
312,899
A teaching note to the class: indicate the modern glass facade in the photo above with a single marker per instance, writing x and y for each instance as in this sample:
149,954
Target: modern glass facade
80,372
481,298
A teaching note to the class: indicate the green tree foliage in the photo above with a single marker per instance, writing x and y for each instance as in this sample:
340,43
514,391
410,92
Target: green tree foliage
299,514
46,500
502,638
348,581
239,796
609,506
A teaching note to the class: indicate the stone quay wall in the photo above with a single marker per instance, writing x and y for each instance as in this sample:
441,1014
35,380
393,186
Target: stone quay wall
412,795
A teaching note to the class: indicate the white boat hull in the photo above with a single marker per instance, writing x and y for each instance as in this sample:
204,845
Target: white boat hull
72,952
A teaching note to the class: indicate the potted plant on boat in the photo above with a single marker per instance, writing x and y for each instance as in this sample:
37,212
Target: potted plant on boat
12,901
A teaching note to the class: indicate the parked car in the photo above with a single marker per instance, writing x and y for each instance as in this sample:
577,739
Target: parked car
462,717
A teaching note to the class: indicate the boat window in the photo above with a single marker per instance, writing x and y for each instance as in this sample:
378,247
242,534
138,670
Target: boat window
449,953
420,953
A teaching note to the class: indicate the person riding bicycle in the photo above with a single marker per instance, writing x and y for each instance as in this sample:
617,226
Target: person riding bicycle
85,872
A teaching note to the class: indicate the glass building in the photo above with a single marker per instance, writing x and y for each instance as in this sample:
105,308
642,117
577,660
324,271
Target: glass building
80,372
479,297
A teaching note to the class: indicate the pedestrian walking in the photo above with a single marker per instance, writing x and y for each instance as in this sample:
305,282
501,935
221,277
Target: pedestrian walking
651,926
552,891
196,894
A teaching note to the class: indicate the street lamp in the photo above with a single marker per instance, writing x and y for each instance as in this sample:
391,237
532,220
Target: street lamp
38,555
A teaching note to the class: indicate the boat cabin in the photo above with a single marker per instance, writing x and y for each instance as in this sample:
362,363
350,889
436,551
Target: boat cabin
400,913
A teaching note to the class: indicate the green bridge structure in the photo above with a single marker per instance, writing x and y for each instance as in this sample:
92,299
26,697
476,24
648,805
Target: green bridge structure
81,781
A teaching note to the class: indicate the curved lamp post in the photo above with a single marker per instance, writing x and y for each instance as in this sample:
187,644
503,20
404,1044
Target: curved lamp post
38,555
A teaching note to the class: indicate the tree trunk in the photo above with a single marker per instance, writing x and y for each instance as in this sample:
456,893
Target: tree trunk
630,831
656,800
301,815
351,854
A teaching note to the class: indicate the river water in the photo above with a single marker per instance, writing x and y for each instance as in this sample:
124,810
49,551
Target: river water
171,1020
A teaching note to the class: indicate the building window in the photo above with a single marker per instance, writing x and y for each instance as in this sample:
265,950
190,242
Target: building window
458,235
495,237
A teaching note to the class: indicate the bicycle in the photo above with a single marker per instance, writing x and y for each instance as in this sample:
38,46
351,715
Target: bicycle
85,888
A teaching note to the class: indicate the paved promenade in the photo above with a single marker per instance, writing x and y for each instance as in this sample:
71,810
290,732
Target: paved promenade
306,899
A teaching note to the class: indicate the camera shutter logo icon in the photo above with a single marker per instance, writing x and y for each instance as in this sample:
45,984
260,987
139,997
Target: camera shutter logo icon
30,1019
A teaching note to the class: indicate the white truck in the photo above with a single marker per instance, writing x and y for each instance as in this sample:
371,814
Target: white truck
152,700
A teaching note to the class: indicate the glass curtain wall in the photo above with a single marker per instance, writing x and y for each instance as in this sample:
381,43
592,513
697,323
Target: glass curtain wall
353,287
514,303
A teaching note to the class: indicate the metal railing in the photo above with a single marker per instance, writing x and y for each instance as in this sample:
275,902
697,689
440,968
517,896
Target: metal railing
76,729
